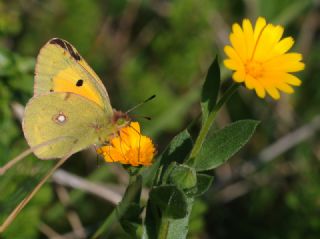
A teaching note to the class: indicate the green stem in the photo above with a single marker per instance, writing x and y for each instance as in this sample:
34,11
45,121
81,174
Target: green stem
164,227
107,223
131,193
207,125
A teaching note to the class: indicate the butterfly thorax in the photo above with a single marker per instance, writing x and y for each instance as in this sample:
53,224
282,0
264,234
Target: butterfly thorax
120,119
107,132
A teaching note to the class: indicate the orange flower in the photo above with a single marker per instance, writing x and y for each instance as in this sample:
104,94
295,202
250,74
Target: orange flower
260,60
130,147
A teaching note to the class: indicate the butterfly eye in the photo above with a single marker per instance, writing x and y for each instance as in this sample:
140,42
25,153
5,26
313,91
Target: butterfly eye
121,122
79,83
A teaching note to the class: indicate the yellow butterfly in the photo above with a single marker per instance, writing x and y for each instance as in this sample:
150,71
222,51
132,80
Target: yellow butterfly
70,110
69,100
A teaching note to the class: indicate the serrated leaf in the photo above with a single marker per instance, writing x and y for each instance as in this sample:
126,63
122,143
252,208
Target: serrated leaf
222,144
170,200
210,89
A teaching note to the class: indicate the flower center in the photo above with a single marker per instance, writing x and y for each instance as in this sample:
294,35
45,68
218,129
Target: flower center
253,68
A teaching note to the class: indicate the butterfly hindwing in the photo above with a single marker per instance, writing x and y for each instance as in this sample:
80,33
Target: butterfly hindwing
58,115
60,68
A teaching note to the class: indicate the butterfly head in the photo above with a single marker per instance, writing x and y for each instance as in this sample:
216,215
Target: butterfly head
120,119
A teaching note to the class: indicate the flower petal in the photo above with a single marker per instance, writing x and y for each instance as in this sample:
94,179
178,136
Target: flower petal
289,62
232,54
273,92
259,58
292,80
259,26
249,82
285,88
231,64
282,47
239,76
248,35
238,41
260,91
130,147
268,39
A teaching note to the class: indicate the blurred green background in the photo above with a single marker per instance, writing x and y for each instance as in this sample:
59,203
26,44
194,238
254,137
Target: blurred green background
139,48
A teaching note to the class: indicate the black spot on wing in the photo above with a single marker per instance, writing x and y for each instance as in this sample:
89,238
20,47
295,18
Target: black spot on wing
57,41
74,54
79,83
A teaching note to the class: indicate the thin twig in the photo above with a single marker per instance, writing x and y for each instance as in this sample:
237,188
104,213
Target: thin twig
49,232
72,215
243,187
67,179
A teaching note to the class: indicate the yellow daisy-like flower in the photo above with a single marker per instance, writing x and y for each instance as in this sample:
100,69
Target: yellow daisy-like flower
259,58
130,147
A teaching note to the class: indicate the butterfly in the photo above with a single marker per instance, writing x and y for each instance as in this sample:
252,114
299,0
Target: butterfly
70,110
69,102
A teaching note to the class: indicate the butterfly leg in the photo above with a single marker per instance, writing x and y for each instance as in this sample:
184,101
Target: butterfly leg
139,148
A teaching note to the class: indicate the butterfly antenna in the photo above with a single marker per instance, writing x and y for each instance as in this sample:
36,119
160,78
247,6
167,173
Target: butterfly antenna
143,102
140,116
97,157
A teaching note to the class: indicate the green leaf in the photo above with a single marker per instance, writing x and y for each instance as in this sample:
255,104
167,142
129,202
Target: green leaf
165,179
210,89
204,182
176,151
222,144
177,228
170,200
178,148
183,176
131,220
152,220
166,203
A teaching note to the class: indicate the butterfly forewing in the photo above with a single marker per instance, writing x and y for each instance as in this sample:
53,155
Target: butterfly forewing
60,68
